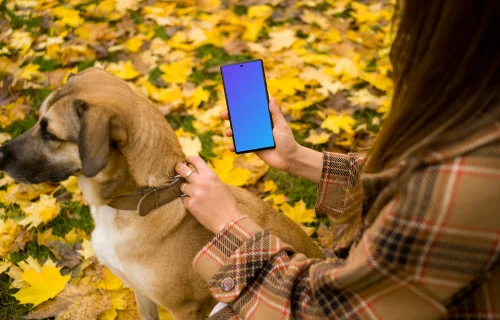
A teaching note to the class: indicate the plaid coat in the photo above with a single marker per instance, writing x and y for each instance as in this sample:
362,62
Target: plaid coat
430,248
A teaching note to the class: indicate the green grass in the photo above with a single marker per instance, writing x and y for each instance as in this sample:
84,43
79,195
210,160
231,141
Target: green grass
294,187
177,121
9,307
80,218
32,249
19,127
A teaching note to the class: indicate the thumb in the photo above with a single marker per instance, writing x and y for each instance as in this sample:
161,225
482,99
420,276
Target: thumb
278,118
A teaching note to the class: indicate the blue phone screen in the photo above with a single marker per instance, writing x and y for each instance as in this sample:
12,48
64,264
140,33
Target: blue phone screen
247,102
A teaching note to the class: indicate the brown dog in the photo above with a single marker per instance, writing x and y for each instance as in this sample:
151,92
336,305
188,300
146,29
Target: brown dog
117,142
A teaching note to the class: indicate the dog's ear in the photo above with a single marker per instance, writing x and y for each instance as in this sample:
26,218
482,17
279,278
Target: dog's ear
94,137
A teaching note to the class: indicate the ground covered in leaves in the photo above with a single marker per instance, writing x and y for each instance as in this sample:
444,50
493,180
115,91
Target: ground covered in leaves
326,62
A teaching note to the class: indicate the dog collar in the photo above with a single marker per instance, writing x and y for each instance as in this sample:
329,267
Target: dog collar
148,199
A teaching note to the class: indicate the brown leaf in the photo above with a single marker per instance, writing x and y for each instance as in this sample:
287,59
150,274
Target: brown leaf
23,237
343,50
73,303
235,47
56,77
65,253
337,101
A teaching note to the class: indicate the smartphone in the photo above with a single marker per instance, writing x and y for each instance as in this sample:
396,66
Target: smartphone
248,106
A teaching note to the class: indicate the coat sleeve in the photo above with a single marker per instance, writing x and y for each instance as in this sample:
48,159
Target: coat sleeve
411,260
338,176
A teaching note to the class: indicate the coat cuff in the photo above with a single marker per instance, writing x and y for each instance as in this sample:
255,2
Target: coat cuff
209,259
339,175
235,256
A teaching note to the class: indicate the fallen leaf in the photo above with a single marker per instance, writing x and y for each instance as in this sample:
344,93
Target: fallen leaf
44,285
42,211
109,281
8,233
337,123
317,138
87,252
226,170
270,186
281,39
298,213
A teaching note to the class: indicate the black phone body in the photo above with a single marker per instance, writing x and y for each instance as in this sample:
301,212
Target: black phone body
247,101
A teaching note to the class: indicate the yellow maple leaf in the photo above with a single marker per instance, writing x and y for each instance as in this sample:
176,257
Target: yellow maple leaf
134,44
226,170
124,70
4,266
4,137
117,303
30,71
333,36
260,11
41,211
44,285
8,233
298,213
68,72
281,39
379,81
20,40
317,18
207,119
288,86
67,16
176,72
109,281
200,95
337,123
318,138
190,145
276,199
12,112
270,186
71,184
252,30
364,98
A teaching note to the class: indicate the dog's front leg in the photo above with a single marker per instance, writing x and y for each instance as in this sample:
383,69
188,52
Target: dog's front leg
147,309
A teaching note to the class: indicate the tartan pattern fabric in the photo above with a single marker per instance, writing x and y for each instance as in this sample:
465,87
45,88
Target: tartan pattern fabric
339,175
430,250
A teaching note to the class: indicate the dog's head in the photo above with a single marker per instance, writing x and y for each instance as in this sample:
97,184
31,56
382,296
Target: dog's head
92,123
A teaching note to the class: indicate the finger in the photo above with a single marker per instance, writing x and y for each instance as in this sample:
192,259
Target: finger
198,163
224,115
229,133
186,188
183,170
231,148
278,118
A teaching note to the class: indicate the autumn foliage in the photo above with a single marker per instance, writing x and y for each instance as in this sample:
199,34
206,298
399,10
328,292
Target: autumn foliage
326,63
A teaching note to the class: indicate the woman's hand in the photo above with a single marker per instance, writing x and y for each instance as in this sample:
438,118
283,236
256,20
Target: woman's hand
286,147
209,200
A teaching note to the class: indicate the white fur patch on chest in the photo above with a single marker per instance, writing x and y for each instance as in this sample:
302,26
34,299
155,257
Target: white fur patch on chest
106,238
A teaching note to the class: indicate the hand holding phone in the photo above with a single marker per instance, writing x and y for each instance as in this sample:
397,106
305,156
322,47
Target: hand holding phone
286,147
247,102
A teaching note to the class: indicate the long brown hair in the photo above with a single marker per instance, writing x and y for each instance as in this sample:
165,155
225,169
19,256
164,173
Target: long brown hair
446,62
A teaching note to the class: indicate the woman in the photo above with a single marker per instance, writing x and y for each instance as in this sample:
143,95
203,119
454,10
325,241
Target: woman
425,234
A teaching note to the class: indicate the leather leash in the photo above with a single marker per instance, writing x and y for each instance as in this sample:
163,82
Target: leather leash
148,199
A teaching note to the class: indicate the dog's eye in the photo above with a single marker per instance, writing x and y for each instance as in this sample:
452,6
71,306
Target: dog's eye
46,135
49,136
